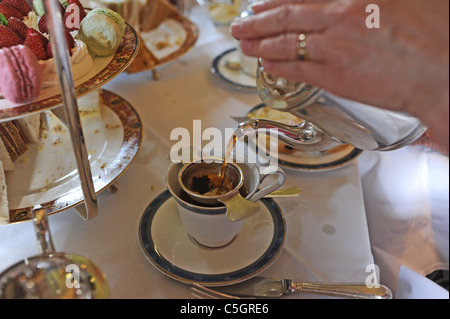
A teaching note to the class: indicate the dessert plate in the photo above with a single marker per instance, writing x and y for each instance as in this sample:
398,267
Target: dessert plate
172,251
192,33
104,69
236,78
302,160
47,173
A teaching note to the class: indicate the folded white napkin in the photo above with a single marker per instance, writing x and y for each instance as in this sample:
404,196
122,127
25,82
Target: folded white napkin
406,195
412,285
166,39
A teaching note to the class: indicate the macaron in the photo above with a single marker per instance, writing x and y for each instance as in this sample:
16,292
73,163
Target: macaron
102,30
21,74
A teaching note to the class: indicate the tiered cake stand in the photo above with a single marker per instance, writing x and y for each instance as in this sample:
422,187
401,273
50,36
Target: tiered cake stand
32,186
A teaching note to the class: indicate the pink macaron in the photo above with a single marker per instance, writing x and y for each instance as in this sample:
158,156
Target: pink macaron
21,74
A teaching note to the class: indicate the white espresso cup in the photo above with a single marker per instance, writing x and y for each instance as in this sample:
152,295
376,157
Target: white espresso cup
208,225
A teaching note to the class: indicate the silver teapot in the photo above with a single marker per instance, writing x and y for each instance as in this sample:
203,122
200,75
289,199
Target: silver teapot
330,120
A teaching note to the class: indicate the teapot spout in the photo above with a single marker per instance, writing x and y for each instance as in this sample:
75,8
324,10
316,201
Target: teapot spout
304,136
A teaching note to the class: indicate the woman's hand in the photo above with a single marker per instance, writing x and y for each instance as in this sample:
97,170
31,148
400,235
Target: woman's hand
402,65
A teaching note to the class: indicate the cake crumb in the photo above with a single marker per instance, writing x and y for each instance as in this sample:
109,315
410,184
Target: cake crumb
24,159
57,142
112,126
57,128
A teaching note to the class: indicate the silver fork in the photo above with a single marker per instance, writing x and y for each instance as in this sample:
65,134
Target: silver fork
201,292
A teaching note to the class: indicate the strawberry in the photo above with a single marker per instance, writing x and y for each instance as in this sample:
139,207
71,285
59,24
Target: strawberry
73,15
36,44
42,24
43,39
48,50
70,44
18,27
8,37
21,5
70,40
9,11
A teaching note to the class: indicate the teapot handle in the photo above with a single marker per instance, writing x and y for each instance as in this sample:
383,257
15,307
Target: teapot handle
271,185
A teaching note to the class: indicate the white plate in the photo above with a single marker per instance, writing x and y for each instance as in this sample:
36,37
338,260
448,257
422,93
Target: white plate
192,33
237,78
47,173
171,250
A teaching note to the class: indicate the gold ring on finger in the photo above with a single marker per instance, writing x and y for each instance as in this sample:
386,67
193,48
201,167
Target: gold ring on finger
302,53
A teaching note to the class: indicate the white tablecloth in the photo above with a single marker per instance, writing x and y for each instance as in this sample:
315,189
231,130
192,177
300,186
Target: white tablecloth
334,231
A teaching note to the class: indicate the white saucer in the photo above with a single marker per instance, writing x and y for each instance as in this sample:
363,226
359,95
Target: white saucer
236,78
172,251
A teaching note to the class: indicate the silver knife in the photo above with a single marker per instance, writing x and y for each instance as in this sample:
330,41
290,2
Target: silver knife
261,287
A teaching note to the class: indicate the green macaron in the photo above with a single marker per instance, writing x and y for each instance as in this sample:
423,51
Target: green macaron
113,15
102,30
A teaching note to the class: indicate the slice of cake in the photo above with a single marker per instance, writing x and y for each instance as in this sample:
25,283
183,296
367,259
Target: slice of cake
14,141
31,126
15,136
5,158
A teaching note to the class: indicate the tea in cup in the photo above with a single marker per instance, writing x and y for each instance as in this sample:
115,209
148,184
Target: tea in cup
211,183
208,224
